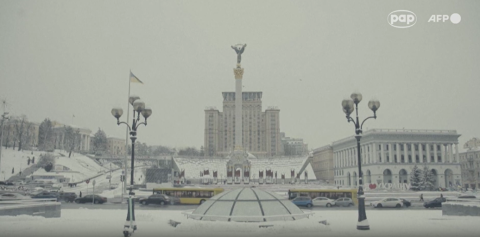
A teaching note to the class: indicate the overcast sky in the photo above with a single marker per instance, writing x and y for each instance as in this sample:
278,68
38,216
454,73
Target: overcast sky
65,58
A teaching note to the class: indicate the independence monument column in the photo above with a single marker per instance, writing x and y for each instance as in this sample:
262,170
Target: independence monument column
238,71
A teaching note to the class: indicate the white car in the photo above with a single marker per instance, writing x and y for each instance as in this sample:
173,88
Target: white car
388,202
323,201
13,197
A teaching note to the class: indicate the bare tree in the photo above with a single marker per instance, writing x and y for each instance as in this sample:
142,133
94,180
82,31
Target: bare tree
20,125
72,138
6,133
28,138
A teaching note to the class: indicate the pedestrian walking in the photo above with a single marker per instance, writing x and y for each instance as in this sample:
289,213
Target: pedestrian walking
80,194
421,197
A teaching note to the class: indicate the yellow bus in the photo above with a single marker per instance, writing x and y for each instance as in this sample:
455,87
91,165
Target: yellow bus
189,195
329,193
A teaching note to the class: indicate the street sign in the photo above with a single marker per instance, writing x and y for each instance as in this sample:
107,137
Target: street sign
87,181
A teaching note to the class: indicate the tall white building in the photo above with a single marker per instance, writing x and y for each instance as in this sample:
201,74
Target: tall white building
260,129
388,156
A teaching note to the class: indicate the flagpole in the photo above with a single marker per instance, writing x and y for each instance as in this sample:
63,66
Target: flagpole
126,139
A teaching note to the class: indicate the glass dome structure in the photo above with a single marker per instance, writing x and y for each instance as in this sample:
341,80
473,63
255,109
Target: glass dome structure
247,205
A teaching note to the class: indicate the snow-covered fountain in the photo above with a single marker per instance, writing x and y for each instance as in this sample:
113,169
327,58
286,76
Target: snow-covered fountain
249,212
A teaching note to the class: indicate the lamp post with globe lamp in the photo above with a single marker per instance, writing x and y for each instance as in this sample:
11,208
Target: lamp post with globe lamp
348,106
138,107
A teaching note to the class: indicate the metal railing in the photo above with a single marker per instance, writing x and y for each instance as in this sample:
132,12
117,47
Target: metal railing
411,130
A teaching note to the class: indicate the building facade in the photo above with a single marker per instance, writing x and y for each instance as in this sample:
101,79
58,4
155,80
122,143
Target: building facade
322,163
293,146
470,162
388,156
260,130
116,146
83,139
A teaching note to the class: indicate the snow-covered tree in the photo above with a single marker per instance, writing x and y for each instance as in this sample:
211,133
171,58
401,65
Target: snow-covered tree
47,161
427,180
415,177
45,135
100,141
189,151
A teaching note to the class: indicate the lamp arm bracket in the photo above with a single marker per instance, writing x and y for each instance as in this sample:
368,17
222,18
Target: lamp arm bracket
138,125
352,120
129,129
375,117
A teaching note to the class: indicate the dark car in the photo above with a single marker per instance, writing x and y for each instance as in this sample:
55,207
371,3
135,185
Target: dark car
6,183
97,199
437,202
467,196
67,196
159,199
46,195
406,203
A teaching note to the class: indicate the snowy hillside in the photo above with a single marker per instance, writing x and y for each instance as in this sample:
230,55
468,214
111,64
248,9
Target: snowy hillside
77,167
16,161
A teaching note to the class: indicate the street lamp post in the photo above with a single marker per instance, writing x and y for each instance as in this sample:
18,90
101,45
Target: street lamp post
348,106
139,107
4,117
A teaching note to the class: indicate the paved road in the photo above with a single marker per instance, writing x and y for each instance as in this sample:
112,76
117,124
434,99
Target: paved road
190,207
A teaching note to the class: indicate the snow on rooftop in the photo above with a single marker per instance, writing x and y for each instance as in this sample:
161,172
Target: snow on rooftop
283,165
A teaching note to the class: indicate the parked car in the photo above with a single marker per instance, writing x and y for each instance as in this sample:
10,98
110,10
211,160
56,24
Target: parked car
13,197
97,199
159,199
323,201
437,202
467,196
388,202
46,195
303,201
406,203
345,202
67,196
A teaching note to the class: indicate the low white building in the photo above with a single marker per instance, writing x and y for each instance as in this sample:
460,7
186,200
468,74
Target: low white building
388,156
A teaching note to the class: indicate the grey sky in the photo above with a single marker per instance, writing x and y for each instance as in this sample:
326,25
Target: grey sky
59,58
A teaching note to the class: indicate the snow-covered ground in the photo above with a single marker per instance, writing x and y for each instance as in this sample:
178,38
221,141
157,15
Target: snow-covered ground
106,223
16,160
78,167
102,184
